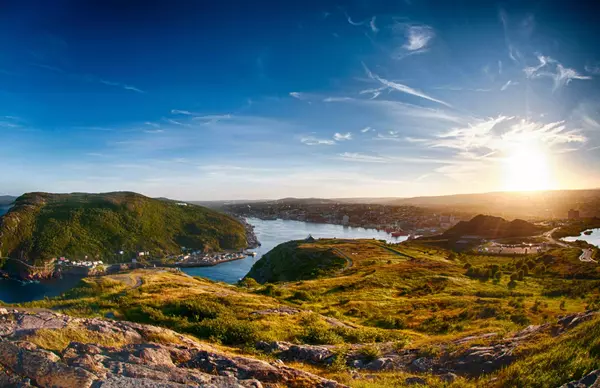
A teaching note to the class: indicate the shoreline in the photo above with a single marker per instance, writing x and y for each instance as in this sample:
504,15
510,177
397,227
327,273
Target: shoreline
198,264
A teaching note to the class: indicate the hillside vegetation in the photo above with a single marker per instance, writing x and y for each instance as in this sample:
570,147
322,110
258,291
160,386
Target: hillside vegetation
391,314
492,227
41,226
297,260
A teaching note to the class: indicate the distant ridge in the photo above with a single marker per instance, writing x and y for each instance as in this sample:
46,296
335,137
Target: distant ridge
492,227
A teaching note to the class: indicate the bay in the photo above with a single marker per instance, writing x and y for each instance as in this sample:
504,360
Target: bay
271,233
14,291
593,238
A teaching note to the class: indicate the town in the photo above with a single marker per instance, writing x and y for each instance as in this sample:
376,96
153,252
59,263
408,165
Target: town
396,220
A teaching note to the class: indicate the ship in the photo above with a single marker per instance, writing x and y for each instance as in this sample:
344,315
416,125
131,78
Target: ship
251,254
399,233
587,232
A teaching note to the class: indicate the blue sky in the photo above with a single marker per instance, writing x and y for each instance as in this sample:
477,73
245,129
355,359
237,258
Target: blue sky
229,100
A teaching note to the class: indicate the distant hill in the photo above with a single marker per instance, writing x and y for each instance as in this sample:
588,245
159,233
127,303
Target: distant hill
6,200
492,227
527,205
297,260
42,225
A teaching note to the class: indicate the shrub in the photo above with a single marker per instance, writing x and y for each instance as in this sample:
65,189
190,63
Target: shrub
320,335
248,283
227,330
303,295
390,322
520,318
370,352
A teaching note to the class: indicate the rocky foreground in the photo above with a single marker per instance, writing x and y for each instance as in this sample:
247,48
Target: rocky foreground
138,356
46,349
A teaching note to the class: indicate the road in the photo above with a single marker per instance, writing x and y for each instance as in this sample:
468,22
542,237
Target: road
548,236
586,255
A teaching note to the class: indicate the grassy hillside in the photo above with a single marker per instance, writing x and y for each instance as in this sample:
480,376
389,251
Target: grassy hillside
492,227
402,301
297,260
42,225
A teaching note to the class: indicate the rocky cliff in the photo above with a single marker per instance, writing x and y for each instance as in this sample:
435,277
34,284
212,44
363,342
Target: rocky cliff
45,349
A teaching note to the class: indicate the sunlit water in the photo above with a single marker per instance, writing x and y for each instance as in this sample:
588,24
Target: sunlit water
271,233
593,238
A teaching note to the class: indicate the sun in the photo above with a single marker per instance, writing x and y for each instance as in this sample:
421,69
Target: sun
527,169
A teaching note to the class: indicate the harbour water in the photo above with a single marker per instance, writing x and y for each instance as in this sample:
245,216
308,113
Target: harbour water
271,233
14,291
593,238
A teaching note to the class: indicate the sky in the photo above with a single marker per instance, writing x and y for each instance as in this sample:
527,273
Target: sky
202,100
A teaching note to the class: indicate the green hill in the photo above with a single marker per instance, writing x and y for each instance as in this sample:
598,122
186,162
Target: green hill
493,227
42,225
297,260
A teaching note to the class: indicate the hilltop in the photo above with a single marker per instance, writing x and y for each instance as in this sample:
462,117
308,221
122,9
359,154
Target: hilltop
297,260
42,225
492,227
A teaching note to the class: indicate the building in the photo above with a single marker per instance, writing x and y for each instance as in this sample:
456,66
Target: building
345,220
573,214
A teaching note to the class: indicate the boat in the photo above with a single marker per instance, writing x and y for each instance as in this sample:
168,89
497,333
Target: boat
587,232
251,254
399,233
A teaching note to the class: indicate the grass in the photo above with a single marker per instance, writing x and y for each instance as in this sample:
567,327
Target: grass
57,340
409,296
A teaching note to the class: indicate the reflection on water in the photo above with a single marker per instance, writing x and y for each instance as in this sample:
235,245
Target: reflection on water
593,238
271,233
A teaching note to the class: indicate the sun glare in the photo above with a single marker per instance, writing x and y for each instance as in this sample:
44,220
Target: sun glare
527,169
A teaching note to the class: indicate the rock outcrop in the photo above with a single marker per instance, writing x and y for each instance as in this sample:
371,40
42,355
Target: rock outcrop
127,355
467,360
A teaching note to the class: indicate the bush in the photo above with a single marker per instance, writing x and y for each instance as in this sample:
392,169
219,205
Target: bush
248,283
370,352
390,322
303,295
520,318
227,330
320,335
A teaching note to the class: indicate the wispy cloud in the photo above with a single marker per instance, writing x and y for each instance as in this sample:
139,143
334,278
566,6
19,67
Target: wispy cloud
366,129
593,69
358,157
154,130
88,77
418,37
181,112
508,84
502,133
311,141
353,22
342,137
373,25
403,88
151,124
121,85
213,119
297,95
513,53
176,122
561,75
